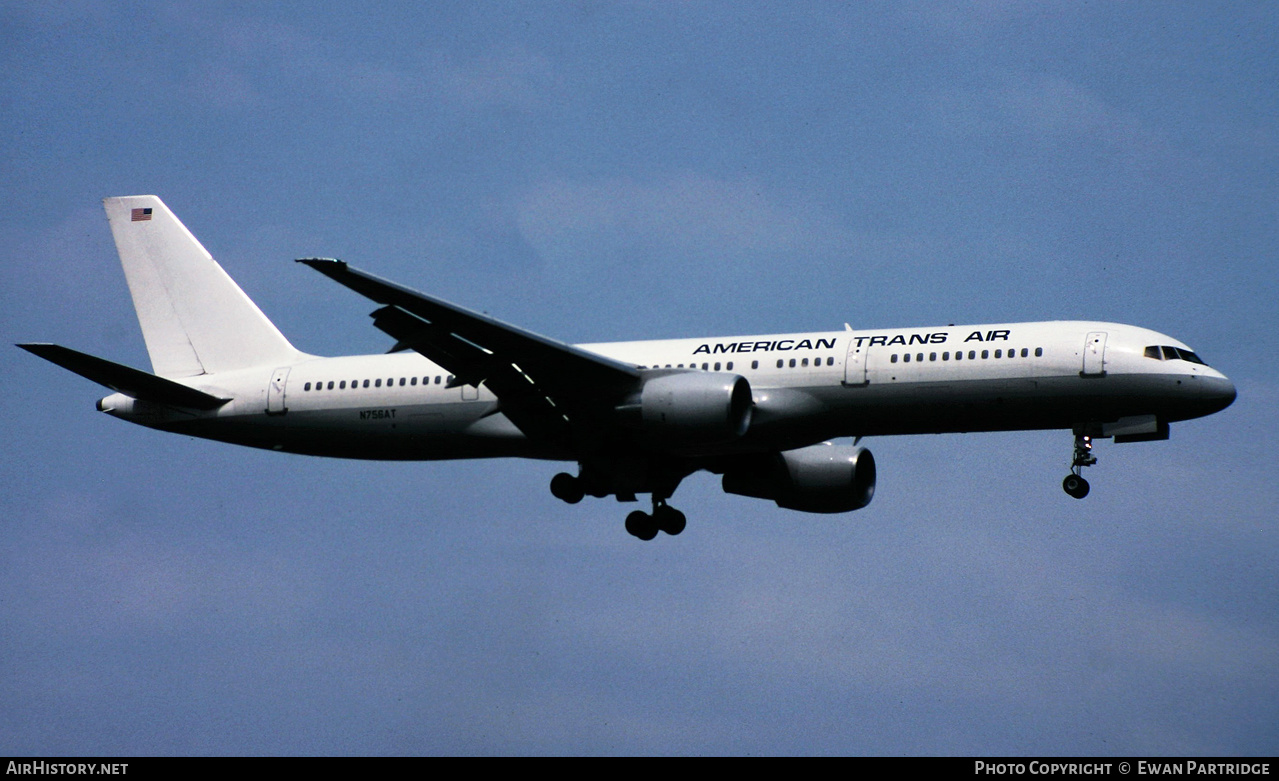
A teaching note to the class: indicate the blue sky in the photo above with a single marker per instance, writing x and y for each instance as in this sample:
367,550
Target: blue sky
599,171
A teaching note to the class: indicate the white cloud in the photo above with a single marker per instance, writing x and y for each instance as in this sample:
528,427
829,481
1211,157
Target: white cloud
978,20
115,575
1049,109
251,64
680,239
711,218
514,77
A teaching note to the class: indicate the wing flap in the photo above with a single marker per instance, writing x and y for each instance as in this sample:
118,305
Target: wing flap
523,402
466,361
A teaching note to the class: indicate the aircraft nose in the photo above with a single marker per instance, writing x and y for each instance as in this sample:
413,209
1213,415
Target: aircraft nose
1218,392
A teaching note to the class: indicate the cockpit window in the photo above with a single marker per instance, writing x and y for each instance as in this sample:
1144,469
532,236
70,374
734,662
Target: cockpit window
1170,353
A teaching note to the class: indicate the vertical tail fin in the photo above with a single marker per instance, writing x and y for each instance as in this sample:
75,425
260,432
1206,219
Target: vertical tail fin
195,319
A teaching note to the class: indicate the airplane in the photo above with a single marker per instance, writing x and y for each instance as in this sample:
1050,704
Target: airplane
637,417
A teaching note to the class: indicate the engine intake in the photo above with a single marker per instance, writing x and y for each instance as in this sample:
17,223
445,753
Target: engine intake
695,407
825,478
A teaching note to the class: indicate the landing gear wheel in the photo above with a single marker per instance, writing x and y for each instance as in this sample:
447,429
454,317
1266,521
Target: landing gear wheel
640,524
669,520
1075,485
567,488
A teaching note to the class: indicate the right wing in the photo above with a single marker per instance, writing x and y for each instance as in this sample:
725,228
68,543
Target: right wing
551,390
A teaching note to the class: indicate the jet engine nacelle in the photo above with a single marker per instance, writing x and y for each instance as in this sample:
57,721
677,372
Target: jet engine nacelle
695,407
823,478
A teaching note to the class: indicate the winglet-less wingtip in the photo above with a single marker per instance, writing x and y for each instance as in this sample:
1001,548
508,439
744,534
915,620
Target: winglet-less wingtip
319,263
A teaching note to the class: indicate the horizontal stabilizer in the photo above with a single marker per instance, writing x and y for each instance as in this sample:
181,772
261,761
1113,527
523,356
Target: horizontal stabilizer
126,380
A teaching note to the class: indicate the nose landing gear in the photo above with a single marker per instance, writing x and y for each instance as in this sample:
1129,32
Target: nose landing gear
1075,484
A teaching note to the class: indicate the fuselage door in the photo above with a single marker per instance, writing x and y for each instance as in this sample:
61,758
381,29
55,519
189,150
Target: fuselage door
275,392
1094,355
855,375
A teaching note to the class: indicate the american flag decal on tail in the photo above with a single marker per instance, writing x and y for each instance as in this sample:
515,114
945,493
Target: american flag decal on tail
140,215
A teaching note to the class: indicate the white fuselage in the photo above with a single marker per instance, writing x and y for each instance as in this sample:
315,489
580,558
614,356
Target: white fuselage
637,417
806,388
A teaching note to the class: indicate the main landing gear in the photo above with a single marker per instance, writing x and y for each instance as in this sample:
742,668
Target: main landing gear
664,518
645,526
1075,484
567,488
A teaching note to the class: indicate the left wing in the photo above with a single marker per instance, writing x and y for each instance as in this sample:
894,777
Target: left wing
550,390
